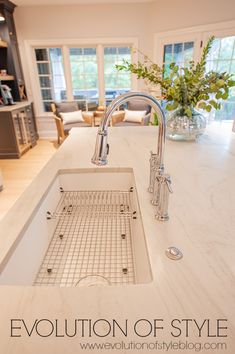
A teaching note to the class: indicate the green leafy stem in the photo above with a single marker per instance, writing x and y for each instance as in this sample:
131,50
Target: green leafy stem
187,87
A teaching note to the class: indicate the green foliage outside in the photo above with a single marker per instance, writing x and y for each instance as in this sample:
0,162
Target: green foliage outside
85,72
185,88
155,119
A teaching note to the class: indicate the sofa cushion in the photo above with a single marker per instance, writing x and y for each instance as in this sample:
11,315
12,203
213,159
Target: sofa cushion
134,116
71,117
68,106
139,105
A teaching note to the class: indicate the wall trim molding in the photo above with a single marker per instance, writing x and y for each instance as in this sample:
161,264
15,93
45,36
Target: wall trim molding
82,41
193,29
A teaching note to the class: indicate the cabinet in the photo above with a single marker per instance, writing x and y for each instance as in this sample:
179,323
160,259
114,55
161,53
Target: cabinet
18,131
9,52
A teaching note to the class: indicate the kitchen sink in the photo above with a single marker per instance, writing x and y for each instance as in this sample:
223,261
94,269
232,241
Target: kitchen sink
86,231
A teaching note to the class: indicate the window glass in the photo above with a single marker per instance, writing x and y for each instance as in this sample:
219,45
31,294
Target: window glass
44,68
57,71
84,70
168,53
116,82
45,81
179,53
188,51
51,75
221,59
41,54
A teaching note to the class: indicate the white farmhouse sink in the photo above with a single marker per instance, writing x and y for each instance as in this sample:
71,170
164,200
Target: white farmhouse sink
86,231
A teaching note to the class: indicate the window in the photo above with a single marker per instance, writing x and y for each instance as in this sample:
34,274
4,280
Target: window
185,44
221,59
84,72
116,82
179,53
51,75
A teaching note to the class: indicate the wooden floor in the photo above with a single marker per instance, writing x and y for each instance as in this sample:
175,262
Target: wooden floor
18,173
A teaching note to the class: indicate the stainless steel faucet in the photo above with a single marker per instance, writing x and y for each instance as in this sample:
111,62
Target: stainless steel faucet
159,182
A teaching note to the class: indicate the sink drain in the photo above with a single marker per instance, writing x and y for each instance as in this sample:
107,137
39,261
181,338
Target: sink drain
174,253
93,280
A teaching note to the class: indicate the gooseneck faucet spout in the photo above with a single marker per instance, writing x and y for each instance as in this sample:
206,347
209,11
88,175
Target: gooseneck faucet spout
159,183
101,151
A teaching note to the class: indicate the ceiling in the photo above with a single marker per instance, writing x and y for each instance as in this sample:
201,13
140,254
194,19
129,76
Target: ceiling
73,2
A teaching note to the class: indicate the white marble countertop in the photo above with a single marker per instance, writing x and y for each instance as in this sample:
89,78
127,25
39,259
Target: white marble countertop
202,224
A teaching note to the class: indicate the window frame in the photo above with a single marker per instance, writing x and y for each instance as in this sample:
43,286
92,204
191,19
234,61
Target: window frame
50,71
34,86
198,34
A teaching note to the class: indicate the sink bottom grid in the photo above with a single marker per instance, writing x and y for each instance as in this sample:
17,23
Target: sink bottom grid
92,242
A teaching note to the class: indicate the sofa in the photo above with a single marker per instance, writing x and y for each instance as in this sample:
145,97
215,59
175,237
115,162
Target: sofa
137,113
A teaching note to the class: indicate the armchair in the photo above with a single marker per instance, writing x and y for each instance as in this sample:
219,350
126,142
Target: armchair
63,126
120,118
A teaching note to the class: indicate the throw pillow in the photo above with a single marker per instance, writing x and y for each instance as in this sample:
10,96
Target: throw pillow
134,116
72,117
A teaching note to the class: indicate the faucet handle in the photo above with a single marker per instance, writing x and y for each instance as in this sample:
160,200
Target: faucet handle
154,158
167,179
164,185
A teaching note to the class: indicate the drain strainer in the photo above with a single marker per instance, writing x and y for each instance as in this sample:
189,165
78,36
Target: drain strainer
93,280
174,253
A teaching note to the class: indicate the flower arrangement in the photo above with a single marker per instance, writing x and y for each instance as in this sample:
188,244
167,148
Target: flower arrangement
185,88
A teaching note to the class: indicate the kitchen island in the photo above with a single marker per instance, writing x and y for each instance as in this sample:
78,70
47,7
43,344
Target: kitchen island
190,301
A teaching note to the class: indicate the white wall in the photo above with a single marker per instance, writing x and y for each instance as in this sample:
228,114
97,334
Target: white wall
169,15
119,20
84,21
116,20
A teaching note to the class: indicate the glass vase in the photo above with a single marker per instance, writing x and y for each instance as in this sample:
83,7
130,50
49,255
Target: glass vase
183,128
